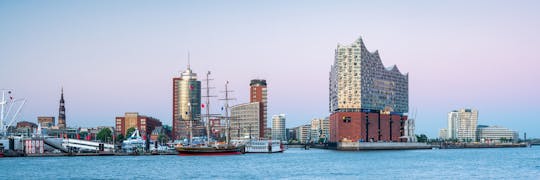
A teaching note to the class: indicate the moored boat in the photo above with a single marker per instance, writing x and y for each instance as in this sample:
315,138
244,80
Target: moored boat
1,150
208,148
209,151
264,146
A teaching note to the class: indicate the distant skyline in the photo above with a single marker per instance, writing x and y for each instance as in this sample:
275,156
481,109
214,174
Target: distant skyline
121,56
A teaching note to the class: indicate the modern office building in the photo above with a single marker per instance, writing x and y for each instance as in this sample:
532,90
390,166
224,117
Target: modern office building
453,125
245,121
367,101
46,121
320,129
496,134
62,112
462,124
258,93
278,128
186,104
144,124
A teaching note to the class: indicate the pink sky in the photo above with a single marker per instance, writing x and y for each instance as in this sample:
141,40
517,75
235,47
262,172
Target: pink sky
121,56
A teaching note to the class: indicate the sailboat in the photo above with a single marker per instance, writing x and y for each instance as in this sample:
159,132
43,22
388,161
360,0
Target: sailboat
209,148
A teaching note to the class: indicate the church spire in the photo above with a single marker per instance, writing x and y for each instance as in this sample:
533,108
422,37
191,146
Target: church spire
62,111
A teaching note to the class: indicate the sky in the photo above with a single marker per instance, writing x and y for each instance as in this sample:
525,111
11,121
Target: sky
113,57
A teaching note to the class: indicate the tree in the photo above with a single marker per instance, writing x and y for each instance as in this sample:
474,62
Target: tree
120,137
163,138
104,135
130,131
421,138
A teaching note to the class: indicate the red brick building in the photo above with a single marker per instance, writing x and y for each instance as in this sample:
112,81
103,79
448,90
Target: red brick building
145,124
366,126
258,93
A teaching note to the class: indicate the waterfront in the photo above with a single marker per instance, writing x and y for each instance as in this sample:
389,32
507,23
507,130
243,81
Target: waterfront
295,163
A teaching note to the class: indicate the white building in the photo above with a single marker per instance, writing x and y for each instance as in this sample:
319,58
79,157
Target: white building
278,128
408,128
462,124
359,80
245,122
320,129
443,134
303,133
453,125
496,134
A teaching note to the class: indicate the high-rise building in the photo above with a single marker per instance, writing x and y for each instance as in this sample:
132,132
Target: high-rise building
144,124
62,112
453,125
462,124
258,93
368,102
186,105
245,121
278,128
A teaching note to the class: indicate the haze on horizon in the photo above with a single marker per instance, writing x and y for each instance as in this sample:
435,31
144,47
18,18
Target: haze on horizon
121,56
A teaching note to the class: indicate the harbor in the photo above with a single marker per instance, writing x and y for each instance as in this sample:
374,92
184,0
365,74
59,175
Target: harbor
293,163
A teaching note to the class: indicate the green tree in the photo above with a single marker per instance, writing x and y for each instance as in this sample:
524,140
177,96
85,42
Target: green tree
104,135
421,138
130,131
163,138
119,138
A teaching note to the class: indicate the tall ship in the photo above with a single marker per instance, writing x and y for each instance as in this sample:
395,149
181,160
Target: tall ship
211,148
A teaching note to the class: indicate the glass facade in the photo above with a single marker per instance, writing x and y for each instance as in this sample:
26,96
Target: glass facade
359,81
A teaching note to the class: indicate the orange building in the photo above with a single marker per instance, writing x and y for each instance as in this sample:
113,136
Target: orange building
145,124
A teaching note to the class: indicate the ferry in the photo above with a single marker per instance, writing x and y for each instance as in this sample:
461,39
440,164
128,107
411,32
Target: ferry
264,146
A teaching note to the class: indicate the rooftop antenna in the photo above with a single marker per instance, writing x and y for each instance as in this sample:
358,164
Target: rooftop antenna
188,59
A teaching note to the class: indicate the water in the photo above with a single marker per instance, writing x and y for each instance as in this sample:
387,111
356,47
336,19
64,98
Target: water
504,163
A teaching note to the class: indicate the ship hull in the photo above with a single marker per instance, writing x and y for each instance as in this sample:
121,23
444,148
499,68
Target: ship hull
208,151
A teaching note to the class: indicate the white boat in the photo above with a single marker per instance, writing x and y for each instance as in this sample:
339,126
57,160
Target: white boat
135,143
264,146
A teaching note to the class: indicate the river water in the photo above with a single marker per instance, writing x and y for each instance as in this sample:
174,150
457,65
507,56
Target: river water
503,163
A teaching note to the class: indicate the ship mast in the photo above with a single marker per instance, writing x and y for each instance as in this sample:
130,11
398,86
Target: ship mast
208,107
227,118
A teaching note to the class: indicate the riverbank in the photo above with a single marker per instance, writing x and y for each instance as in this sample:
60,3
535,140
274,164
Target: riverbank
478,145
13,154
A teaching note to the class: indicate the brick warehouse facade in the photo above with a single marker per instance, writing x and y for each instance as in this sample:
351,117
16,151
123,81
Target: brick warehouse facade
367,126
145,124
368,102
